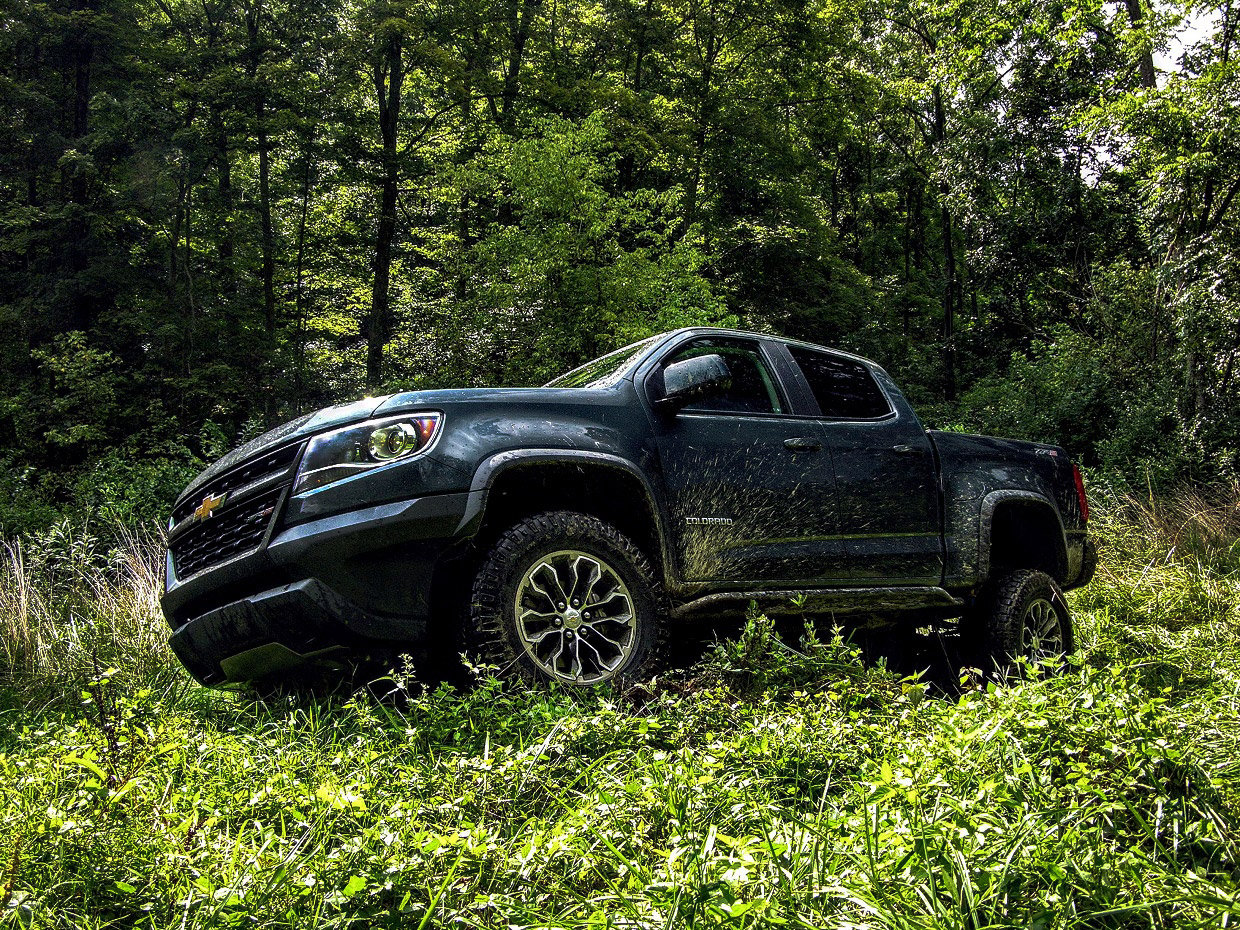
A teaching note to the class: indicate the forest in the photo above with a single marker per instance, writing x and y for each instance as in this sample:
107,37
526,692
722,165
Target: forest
216,214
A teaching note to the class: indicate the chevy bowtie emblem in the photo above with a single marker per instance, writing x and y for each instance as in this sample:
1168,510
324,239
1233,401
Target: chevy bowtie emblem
208,506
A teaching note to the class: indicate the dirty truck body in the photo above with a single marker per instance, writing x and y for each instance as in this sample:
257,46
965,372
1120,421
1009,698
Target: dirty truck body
684,476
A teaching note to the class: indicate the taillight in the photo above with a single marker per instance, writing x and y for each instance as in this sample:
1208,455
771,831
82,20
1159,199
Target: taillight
1080,492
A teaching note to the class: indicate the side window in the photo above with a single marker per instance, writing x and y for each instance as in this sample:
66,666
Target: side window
753,387
843,388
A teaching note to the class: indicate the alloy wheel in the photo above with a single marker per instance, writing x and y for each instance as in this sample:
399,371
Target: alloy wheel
1042,631
575,617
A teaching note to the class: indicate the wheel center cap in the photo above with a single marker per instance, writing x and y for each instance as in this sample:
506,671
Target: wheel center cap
572,618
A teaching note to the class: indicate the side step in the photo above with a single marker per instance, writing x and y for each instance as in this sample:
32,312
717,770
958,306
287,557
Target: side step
823,600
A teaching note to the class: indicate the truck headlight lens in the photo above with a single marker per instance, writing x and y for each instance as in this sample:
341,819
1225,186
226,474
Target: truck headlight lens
347,452
395,441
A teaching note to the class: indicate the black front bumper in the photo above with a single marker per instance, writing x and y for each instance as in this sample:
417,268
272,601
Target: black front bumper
279,629
349,581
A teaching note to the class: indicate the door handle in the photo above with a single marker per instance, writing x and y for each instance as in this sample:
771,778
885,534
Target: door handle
903,449
802,444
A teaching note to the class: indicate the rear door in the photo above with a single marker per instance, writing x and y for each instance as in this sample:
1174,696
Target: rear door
748,483
886,487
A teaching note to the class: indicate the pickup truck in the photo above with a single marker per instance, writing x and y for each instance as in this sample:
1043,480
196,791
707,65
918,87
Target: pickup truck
569,533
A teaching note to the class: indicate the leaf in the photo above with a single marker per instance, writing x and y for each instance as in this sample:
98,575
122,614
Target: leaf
88,765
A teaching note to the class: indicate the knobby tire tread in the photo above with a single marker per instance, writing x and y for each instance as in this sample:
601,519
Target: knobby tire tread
485,634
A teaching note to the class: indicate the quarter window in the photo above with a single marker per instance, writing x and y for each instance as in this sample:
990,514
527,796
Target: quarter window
844,389
753,388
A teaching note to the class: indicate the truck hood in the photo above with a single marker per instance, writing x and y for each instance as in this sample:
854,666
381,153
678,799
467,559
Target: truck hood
366,408
387,405
416,400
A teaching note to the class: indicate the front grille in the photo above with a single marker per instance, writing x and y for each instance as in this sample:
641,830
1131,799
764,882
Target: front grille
234,530
262,467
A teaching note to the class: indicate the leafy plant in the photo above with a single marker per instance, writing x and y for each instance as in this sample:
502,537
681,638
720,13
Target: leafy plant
775,783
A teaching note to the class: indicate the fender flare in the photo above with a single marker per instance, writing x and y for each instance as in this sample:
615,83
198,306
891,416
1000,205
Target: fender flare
986,520
495,465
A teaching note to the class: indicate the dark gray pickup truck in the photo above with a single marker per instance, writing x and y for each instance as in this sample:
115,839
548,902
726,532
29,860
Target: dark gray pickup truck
566,532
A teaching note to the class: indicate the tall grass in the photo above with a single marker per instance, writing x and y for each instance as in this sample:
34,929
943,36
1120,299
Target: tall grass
1169,579
767,786
69,608
1188,525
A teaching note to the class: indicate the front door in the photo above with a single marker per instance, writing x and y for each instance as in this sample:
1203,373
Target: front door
749,486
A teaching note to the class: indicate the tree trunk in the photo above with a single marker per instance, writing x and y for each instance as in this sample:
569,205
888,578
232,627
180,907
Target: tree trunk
264,210
699,134
224,176
1228,32
520,18
908,257
81,303
389,77
949,257
949,298
1136,16
253,17
300,303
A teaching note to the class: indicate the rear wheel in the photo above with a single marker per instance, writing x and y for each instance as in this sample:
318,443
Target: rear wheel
1025,616
565,597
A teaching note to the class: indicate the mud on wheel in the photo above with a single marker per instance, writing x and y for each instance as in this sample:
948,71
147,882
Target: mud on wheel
565,597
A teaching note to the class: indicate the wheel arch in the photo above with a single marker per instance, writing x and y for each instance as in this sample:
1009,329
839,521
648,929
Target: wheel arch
510,486
1020,529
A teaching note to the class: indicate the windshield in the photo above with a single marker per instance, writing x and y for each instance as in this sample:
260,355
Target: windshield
602,371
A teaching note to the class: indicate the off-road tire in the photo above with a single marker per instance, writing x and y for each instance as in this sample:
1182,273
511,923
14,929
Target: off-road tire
1017,604
491,629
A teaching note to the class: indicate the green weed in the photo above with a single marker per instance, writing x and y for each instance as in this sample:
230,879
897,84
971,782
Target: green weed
773,784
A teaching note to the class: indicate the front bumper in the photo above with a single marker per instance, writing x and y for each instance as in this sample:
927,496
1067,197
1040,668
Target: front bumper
342,582
276,630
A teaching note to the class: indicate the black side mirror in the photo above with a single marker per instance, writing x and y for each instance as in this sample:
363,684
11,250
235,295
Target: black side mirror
693,379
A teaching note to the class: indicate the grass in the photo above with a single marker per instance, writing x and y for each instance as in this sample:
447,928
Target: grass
763,787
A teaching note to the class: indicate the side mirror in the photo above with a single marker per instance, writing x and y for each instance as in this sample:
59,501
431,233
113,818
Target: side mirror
693,379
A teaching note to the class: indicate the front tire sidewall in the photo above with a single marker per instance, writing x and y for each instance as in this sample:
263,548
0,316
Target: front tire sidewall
493,627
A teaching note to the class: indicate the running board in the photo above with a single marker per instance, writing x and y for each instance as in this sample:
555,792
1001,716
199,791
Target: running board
822,600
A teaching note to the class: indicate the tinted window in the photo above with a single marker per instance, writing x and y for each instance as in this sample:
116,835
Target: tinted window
753,388
843,389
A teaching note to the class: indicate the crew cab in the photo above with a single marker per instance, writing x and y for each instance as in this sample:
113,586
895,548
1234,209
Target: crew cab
569,532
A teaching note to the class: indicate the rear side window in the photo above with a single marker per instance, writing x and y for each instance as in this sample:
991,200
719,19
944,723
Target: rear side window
844,389
753,387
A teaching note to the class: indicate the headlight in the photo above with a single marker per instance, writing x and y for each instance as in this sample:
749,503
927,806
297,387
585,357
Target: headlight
346,452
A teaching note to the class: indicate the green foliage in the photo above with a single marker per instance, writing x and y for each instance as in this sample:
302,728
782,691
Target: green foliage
1054,392
81,392
123,491
770,785
116,492
584,268
24,502
1063,386
72,602
215,217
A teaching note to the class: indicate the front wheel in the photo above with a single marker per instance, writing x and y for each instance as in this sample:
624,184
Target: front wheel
1025,617
565,597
